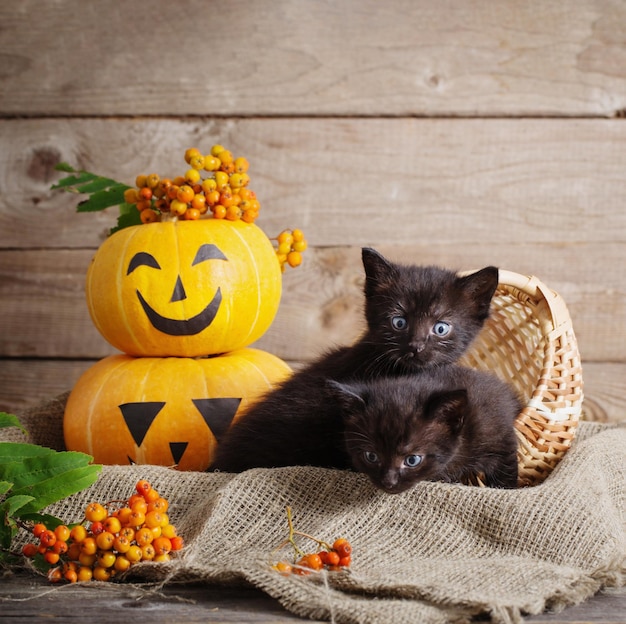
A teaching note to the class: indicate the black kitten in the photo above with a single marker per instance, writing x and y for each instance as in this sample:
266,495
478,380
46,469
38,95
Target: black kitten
446,424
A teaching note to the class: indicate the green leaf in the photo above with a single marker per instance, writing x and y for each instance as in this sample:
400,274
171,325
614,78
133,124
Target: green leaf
5,486
31,470
129,215
17,451
10,420
101,199
59,487
8,512
62,166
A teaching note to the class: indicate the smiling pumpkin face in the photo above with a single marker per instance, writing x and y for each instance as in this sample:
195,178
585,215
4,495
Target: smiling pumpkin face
184,288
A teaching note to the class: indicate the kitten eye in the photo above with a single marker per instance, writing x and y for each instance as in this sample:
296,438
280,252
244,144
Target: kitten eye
441,328
399,323
370,457
413,460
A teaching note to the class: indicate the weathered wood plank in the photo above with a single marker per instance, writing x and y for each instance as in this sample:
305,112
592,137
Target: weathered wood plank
345,181
32,599
43,312
405,57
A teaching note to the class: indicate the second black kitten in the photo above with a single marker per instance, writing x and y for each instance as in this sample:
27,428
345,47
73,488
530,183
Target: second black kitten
445,424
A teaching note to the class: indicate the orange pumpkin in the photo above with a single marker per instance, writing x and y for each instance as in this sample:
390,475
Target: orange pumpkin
184,288
165,411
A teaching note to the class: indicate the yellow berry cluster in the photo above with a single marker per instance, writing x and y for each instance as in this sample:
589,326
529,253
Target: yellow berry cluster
108,542
222,189
290,245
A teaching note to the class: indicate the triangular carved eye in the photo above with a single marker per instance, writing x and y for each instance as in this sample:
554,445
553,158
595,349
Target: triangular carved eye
218,413
139,416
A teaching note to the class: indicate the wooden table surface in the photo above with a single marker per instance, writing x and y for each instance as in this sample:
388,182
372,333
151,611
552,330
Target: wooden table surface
29,598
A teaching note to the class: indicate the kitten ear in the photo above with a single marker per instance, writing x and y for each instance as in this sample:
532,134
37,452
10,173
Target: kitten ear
378,269
448,407
350,397
480,287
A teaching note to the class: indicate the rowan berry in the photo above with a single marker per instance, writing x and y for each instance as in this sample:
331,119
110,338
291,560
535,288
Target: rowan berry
105,540
87,560
47,538
78,533
342,547
29,550
101,574
106,559
60,547
162,545
131,196
219,212
95,512
55,575
147,552
121,544
162,557
122,563
178,207
330,557
177,542
85,573
294,259
112,524
89,546
284,568
134,553
38,529
159,504
191,153
169,530
192,176
145,193
185,194
153,519
144,536
73,551
70,575
51,557
96,528
62,532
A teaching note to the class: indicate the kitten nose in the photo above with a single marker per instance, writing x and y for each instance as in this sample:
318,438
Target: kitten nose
390,479
418,347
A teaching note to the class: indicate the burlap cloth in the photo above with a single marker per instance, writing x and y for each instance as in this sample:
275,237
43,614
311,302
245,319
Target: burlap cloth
437,553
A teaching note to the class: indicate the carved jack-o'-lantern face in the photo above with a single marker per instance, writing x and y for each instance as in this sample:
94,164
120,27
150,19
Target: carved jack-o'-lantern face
164,411
184,288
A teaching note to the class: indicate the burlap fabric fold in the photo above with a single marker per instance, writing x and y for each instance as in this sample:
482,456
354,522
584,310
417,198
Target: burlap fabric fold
437,553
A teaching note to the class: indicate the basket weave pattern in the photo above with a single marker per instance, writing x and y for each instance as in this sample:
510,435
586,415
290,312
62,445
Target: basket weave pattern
529,342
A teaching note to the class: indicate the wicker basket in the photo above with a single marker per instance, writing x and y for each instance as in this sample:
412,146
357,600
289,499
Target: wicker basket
529,341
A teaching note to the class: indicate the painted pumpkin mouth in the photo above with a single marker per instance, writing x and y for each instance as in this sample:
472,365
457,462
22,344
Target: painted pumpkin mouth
182,327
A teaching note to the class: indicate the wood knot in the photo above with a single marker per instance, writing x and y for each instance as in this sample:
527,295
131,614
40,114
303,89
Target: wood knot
42,164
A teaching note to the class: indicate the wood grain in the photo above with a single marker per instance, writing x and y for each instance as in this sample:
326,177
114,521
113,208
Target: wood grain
28,598
407,57
43,312
345,181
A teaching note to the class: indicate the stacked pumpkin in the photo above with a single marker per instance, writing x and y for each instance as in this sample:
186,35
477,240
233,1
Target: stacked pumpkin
182,301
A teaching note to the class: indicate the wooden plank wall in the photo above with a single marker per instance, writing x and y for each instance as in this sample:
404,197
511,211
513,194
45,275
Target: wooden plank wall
462,133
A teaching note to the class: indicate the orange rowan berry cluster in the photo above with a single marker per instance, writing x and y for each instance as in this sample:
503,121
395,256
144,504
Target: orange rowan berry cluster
290,245
222,189
108,542
326,557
